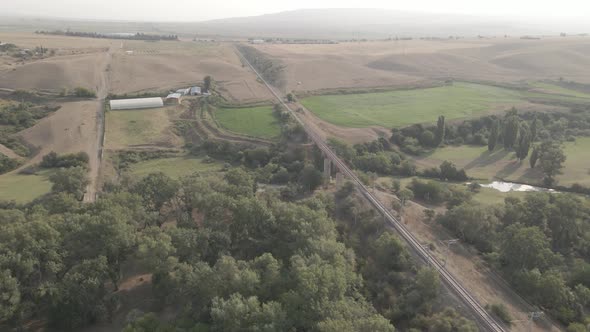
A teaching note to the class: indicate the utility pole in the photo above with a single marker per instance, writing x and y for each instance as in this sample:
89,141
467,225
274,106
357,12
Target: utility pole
532,316
448,244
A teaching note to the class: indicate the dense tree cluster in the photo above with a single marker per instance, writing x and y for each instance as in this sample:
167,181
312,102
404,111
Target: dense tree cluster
515,130
23,115
380,157
541,245
8,164
550,157
136,36
400,290
53,160
226,271
225,257
271,69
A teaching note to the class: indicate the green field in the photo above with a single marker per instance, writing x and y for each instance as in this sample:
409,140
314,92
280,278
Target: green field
137,127
175,167
24,188
251,121
481,164
483,196
554,88
402,108
577,164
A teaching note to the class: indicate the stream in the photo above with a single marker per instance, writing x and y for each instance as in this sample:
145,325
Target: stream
510,186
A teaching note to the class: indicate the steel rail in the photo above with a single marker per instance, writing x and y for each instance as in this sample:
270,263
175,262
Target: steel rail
482,315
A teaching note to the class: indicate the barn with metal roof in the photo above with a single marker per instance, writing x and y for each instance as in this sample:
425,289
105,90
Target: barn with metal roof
137,103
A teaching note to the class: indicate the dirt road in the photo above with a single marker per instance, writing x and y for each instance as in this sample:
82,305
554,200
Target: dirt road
102,90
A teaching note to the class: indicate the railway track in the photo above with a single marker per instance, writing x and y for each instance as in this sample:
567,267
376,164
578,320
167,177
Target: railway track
484,318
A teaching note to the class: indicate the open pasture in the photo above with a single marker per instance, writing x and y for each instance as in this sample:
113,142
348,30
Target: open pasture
551,88
482,164
174,167
24,188
251,121
144,127
405,107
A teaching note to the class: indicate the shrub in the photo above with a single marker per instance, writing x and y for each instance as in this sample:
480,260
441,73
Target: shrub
8,164
53,160
448,171
84,93
406,168
373,162
500,310
429,191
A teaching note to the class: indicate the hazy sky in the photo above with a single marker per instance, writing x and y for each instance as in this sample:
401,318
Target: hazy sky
197,10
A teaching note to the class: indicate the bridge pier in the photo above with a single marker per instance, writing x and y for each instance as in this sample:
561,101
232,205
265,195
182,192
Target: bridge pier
339,179
327,168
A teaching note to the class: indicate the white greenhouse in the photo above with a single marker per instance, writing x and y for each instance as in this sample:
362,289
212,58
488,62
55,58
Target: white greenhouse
129,104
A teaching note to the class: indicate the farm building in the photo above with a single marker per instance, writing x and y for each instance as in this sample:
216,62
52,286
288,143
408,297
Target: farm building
174,98
183,92
195,90
137,103
257,41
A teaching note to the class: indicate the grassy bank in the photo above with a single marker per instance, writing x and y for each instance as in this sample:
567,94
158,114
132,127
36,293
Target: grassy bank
175,167
482,164
251,121
24,188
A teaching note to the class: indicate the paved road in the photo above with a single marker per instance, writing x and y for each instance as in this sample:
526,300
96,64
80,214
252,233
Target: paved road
485,319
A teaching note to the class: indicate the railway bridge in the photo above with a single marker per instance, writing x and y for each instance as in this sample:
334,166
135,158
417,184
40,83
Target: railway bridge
485,320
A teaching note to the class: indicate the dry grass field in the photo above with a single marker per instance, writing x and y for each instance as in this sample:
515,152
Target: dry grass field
412,62
136,66
71,129
156,66
141,128
77,63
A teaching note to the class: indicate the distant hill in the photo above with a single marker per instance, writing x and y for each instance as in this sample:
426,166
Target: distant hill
373,23
317,24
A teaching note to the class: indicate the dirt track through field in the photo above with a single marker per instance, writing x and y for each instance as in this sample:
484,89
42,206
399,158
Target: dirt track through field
96,155
8,152
78,126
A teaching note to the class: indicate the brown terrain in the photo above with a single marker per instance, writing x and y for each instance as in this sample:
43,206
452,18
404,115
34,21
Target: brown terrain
406,63
141,66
